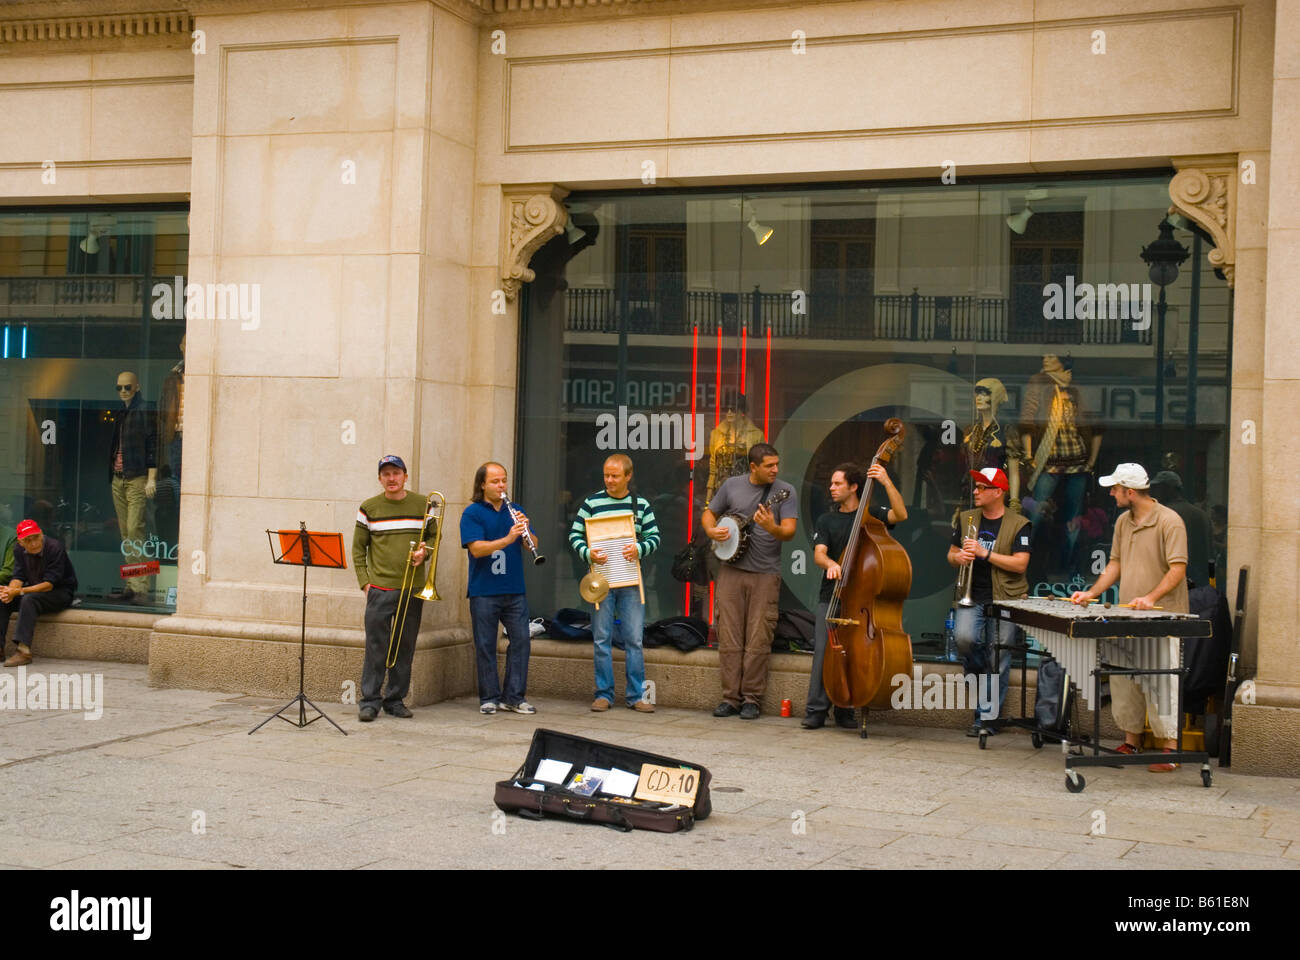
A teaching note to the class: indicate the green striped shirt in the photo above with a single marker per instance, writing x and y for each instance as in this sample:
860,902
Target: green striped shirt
382,539
647,529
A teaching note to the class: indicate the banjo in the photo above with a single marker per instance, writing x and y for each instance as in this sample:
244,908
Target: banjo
738,527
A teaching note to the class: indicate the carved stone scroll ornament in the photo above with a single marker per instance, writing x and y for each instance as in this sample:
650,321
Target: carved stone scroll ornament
531,218
1204,190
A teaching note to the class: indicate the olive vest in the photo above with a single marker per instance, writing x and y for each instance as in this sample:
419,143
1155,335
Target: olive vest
1006,585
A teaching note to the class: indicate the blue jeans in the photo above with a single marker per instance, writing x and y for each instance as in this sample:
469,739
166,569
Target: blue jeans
976,634
511,611
623,604
1076,488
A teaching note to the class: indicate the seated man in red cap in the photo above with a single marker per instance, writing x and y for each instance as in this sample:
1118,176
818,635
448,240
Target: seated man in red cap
43,582
999,552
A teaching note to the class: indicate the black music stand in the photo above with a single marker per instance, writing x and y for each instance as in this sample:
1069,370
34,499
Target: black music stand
305,549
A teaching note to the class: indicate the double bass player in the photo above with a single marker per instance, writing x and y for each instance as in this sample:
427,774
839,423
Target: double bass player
830,537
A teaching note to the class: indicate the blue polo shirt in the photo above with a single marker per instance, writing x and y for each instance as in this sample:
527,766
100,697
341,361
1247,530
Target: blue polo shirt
498,573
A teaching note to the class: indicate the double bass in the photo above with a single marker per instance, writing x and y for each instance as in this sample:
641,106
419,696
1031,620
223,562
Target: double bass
866,645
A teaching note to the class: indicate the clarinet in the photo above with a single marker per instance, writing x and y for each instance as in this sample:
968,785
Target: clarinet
528,537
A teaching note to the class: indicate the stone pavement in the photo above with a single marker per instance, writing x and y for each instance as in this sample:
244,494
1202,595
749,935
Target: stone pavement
131,789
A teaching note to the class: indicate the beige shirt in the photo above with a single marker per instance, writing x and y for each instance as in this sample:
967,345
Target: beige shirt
1144,552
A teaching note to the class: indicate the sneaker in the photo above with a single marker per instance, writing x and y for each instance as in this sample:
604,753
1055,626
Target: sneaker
487,707
1127,748
845,717
399,710
366,714
976,729
749,711
642,706
523,706
600,705
1163,767
725,709
814,721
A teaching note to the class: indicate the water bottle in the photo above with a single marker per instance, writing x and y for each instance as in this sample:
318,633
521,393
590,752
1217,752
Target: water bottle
950,636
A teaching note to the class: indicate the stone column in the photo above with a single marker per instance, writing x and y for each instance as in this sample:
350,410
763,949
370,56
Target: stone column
331,181
1266,732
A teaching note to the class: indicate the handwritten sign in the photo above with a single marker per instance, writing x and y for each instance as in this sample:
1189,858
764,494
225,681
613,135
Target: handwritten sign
668,784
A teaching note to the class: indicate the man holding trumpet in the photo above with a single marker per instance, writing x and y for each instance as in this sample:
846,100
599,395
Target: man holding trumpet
381,551
997,555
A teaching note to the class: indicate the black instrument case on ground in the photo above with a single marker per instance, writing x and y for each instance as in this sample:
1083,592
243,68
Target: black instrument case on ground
514,795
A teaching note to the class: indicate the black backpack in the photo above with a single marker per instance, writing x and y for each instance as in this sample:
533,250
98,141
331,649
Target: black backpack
794,632
689,564
684,633
570,624
1054,699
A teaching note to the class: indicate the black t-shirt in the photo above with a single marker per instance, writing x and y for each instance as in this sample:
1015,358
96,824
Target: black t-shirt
832,531
982,579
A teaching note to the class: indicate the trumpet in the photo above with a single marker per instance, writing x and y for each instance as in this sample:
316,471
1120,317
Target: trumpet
965,576
528,536
433,513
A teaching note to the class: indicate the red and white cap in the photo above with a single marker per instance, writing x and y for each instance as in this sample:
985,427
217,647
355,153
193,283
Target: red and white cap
28,528
993,477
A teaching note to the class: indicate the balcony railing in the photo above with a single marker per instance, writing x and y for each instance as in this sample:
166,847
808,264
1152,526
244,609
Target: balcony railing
53,293
913,317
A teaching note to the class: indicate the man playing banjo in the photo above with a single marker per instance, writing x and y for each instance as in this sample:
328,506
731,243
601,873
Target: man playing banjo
750,585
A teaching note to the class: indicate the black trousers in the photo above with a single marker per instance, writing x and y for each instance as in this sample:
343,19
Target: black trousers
381,607
29,607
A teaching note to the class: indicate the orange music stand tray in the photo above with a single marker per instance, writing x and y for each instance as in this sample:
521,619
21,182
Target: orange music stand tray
304,548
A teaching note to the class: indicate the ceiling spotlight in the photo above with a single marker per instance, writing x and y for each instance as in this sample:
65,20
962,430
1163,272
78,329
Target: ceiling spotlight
573,233
761,232
90,244
1019,221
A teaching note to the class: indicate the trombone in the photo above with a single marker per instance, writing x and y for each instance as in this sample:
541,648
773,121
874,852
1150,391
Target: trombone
433,513
965,576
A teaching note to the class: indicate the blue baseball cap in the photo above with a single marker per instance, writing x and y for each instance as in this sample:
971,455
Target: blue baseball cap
392,461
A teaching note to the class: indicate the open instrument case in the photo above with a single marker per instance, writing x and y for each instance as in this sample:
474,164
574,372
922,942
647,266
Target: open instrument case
514,794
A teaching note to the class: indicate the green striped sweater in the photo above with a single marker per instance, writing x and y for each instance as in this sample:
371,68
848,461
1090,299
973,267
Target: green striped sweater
647,530
382,539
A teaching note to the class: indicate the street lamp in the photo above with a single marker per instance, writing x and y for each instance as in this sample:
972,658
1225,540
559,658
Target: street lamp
1163,258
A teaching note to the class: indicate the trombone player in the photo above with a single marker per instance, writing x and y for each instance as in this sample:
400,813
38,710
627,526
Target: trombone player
382,555
994,560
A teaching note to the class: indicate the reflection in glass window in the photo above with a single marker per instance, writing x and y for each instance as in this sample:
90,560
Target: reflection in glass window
1007,324
92,388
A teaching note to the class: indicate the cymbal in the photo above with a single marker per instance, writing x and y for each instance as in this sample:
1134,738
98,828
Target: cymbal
594,587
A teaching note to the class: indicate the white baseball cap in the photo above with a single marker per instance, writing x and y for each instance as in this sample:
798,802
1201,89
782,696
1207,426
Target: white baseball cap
1129,475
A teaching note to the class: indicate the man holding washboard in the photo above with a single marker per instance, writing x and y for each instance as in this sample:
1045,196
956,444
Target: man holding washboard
624,604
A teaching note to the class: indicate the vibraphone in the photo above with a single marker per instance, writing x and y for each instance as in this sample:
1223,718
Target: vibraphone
1099,640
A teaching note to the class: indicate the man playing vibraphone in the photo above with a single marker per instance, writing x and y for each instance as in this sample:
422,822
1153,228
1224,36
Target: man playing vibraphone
1148,557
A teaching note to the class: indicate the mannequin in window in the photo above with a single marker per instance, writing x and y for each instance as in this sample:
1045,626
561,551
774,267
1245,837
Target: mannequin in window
1060,448
133,470
171,418
729,444
990,443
